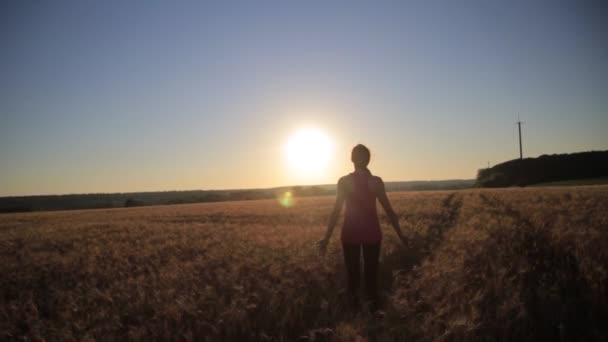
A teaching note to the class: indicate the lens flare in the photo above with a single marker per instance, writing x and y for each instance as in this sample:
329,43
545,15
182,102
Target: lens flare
286,199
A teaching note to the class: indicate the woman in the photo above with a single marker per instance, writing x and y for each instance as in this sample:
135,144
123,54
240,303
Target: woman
361,229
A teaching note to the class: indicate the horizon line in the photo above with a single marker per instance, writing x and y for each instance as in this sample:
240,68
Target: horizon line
223,189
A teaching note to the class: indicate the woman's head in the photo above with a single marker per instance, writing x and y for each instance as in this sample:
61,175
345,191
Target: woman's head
360,156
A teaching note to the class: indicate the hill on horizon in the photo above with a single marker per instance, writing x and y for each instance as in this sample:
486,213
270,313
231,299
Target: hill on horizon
545,169
10,204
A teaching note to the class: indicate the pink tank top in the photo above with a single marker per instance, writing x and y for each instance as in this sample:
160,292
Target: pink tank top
361,223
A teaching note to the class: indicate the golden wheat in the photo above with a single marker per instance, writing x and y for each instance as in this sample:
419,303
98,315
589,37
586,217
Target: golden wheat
480,264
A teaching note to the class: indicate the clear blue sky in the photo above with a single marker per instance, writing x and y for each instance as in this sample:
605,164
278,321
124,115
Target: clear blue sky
106,96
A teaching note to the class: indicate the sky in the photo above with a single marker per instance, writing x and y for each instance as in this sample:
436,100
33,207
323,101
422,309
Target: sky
122,96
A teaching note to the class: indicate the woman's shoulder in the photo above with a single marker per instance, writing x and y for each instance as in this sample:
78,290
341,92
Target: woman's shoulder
346,178
376,184
345,183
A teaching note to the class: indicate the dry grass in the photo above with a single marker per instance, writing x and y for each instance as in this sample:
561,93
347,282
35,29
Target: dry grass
515,264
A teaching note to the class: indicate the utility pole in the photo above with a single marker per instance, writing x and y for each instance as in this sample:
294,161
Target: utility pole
521,181
521,154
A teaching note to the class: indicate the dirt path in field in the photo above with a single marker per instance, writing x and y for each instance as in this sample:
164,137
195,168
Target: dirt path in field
451,206
403,260
553,289
498,207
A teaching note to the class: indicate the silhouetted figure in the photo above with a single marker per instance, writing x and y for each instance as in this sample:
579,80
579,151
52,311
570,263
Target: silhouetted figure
361,229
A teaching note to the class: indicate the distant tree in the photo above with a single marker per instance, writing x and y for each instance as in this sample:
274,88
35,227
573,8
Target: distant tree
16,209
130,202
492,180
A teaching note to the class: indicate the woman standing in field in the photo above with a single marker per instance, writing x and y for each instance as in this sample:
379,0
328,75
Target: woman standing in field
361,229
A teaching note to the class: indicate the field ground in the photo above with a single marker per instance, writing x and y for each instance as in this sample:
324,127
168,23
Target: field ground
512,264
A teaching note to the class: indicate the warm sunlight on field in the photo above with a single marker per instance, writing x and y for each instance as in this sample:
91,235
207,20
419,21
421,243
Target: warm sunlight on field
514,264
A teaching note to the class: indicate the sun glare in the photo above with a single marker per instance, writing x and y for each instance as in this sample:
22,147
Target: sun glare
309,151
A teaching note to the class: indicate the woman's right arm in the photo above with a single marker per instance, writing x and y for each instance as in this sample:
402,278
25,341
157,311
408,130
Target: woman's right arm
333,217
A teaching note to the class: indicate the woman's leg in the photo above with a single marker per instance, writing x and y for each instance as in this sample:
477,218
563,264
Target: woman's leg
352,256
371,256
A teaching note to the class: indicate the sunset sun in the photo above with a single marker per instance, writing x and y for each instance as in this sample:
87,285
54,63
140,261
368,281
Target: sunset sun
309,151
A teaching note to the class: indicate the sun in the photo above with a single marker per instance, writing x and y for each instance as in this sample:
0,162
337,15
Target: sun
309,151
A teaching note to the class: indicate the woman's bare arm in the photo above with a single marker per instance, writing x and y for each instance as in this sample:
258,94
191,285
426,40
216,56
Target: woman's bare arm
388,209
333,217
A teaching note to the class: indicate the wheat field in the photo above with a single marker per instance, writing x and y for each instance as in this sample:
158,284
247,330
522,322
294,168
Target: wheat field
510,264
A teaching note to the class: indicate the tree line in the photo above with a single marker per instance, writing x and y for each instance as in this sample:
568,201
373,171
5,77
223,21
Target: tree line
546,168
